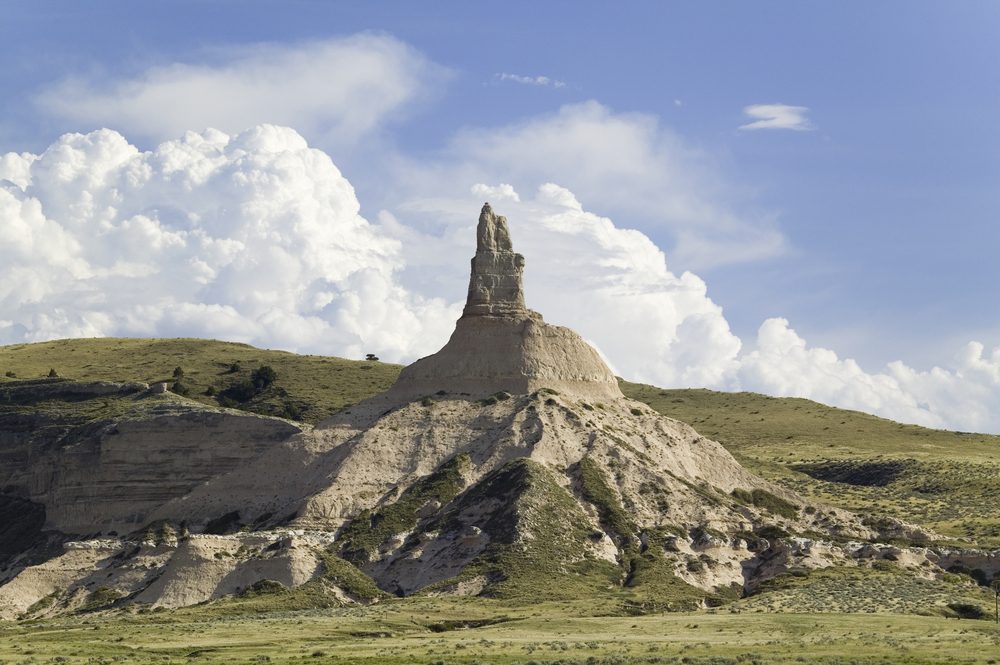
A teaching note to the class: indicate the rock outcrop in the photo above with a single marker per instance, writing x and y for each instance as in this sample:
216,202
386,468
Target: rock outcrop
495,286
501,346
506,463
108,475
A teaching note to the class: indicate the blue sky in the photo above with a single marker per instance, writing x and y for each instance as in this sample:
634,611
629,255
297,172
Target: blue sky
873,231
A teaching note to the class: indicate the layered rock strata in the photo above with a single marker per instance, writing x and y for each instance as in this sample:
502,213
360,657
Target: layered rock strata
495,286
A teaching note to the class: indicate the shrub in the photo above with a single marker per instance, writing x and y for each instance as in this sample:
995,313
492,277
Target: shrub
371,357
236,394
769,502
291,410
234,368
244,391
53,374
264,587
262,377
771,532
178,373
10,375
180,388
967,611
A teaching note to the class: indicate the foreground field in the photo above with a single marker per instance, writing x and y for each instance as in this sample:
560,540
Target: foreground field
436,631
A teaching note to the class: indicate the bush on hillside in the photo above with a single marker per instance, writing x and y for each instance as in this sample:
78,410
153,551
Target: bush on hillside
263,377
243,391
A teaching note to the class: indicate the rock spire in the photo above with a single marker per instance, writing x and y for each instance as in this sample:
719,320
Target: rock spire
495,284
501,345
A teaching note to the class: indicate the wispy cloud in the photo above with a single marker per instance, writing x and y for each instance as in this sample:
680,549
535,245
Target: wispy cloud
339,90
777,116
531,80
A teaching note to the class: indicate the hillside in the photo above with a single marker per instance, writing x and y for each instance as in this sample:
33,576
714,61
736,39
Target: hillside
938,479
934,478
309,389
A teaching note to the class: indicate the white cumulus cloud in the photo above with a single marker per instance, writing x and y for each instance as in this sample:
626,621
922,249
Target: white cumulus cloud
613,286
965,396
501,192
337,90
777,116
254,237
257,237
627,164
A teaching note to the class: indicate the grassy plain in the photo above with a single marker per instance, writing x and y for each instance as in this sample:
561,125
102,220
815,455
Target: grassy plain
431,631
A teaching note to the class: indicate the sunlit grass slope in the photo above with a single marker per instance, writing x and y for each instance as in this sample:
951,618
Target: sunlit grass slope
947,481
314,386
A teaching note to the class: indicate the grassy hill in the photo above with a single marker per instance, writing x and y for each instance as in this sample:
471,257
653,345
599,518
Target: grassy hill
946,481
308,388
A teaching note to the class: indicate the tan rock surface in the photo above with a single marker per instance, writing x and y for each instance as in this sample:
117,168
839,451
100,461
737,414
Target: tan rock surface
115,478
499,344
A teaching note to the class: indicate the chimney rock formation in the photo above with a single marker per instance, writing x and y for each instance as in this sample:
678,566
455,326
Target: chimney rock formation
499,344
495,285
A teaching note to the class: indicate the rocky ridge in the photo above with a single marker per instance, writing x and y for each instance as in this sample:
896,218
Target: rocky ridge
508,463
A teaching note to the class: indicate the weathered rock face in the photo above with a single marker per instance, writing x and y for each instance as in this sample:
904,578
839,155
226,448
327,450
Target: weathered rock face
108,476
499,344
495,286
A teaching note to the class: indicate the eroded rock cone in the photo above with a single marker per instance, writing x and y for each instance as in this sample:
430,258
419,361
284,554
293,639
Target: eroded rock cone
499,345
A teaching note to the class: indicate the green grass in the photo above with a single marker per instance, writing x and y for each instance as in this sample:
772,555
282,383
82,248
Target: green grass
767,501
612,514
537,535
361,538
935,478
314,385
884,588
425,631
